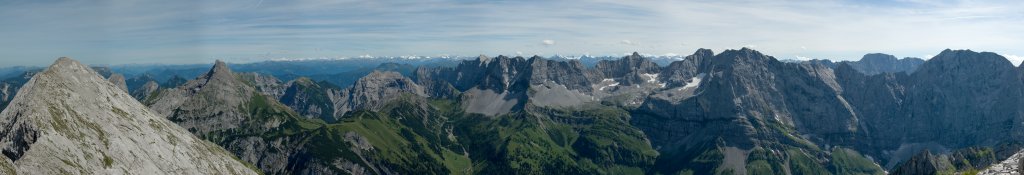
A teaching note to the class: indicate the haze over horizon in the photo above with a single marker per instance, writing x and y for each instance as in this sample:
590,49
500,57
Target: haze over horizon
181,32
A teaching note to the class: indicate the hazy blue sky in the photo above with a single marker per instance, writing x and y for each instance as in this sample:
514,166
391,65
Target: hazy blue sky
35,32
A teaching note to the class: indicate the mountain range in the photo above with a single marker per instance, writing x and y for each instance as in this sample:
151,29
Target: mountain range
734,112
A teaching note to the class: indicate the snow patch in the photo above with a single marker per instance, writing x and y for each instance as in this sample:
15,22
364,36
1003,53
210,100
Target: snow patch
694,82
651,78
610,85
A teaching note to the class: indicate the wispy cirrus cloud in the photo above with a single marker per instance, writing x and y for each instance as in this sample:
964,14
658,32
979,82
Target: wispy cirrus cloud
121,31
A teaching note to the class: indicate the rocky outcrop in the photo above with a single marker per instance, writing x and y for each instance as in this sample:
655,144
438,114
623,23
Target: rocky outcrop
1010,166
680,73
68,119
924,163
931,105
373,91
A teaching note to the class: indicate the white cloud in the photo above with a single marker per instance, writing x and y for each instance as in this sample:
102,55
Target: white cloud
548,42
803,58
1015,59
628,42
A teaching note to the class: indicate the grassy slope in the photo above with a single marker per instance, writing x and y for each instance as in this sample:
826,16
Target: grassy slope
588,141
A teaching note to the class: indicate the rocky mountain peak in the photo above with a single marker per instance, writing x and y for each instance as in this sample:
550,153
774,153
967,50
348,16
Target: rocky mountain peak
984,57
631,67
966,60
383,80
69,119
704,52
375,90
877,57
67,65
877,63
219,70
744,56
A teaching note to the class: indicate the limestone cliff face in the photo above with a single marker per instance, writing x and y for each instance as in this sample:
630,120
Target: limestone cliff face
68,119
629,70
373,91
744,92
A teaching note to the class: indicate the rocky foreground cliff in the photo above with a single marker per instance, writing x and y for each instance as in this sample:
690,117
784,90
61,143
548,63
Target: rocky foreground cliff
68,120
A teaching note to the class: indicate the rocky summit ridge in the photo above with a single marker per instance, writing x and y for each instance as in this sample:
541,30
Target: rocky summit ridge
69,120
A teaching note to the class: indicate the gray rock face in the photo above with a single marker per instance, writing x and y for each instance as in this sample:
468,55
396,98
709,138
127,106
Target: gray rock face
957,99
68,119
311,99
680,73
743,92
227,93
628,71
373,91
957,84
877,63
1011,166
219,103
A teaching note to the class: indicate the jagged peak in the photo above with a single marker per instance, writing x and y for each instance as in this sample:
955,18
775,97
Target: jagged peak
219,69
743,51
220,66
703,51
483,58
636,54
